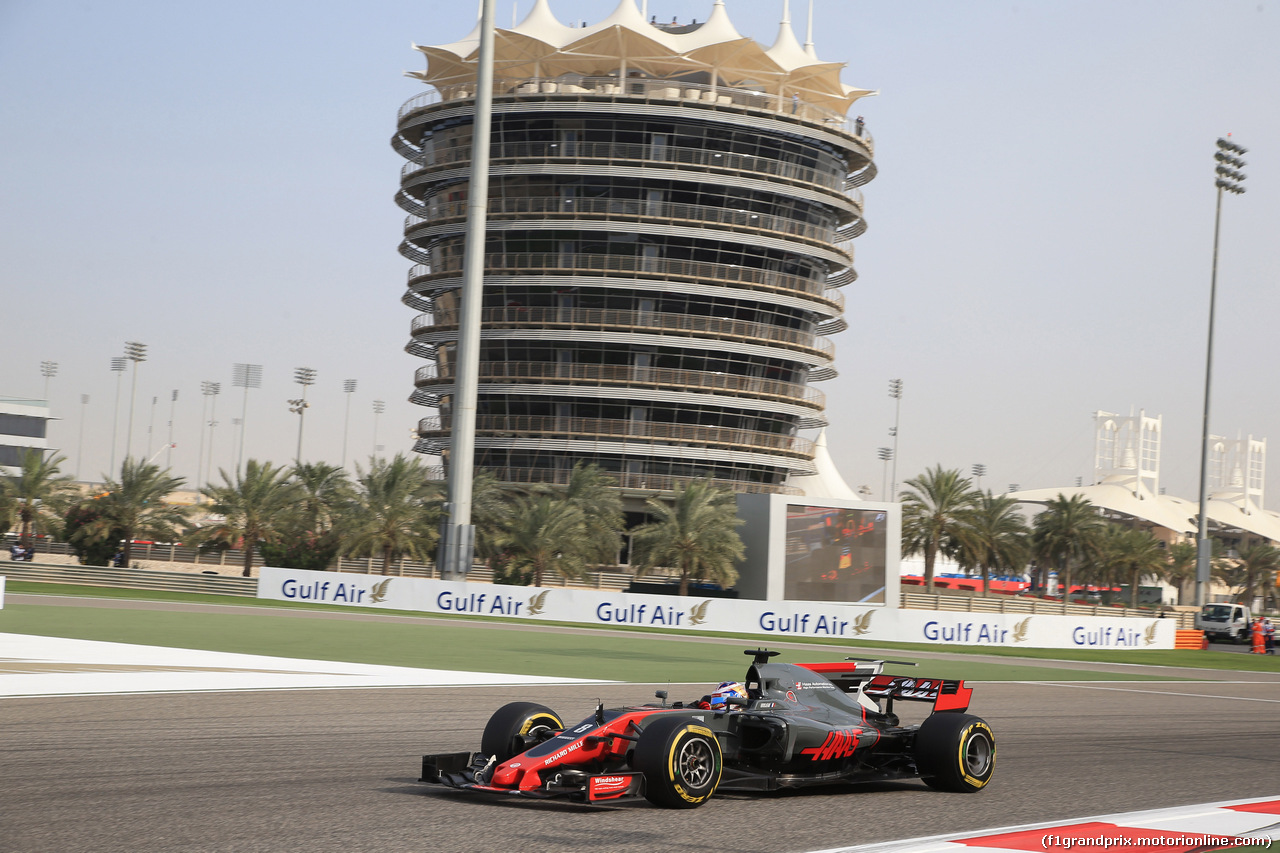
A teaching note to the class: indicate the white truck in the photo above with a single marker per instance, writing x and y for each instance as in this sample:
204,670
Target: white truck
1225,623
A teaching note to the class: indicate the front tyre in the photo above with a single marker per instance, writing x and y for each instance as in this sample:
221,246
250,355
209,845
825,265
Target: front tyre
681,762
504,736
955,752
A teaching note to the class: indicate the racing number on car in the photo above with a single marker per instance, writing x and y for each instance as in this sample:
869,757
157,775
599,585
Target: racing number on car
839,744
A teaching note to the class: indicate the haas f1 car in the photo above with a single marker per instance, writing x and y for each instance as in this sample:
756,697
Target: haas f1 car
797,725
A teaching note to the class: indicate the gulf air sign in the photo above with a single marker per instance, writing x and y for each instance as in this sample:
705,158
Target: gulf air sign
693,614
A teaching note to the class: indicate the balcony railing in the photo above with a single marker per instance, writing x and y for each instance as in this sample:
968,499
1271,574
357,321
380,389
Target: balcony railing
649,89
596,428
633,321
578,264
631,481
633,209
622,375
616,153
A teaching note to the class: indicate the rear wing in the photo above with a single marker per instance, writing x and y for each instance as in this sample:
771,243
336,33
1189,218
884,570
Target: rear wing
866,677
944,694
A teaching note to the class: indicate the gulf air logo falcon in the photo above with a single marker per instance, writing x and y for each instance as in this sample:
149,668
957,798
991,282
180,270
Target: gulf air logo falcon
839,744
698,613
1149,636
862,624
378,593
1020,630
538,602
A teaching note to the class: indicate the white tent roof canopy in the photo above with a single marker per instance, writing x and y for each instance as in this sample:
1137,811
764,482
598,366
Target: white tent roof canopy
541,46
826,482
1163,510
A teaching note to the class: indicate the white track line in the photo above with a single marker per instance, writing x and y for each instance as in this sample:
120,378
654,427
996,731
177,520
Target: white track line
55,666
1083,686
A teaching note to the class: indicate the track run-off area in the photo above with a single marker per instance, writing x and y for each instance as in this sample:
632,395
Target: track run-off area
117,745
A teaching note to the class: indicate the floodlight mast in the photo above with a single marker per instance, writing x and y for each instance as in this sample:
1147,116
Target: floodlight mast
1228,179
245,376
135,352
117,367
304,376
348,388
457,544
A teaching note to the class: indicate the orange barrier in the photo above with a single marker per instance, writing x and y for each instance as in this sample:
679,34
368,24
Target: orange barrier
1187,639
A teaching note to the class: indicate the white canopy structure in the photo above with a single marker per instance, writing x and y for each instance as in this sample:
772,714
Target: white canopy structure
624,44
1127,464
826,482
1122,497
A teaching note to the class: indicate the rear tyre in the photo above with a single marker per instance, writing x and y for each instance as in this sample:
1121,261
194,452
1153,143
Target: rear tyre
681,762
955,752
503,736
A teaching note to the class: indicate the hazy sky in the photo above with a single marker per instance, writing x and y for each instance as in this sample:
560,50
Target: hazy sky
215,180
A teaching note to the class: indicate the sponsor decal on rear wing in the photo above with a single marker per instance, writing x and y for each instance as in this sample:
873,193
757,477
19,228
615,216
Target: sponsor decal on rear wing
945,695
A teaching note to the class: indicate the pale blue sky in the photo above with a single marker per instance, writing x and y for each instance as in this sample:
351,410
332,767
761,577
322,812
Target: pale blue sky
215,180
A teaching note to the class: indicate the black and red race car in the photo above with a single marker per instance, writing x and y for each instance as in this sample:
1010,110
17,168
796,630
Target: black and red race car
801,724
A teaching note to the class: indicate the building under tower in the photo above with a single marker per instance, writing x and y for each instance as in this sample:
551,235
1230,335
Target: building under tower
670,222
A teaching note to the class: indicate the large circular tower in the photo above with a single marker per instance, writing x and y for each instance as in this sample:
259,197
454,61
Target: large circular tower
670,217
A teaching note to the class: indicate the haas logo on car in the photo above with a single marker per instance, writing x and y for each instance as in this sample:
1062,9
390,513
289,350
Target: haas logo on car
839,744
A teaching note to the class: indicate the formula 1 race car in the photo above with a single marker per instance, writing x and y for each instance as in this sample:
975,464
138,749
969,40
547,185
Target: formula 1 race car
798,725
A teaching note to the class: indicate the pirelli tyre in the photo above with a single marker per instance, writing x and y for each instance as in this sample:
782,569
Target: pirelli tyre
681,762
955,752
504,735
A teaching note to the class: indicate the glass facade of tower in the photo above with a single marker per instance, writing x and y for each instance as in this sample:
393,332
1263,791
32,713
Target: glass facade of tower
663,265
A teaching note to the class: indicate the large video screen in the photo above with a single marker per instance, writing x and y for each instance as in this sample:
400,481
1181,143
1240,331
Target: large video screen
835,554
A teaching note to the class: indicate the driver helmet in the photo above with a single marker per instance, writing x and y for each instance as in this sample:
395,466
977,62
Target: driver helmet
726,690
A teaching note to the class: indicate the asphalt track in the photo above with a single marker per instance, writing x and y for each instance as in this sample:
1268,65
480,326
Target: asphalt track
335,770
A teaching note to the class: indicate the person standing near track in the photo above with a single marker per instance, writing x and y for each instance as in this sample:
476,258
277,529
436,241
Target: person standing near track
1269,636
1259,644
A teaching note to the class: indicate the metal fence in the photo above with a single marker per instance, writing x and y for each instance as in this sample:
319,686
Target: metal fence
1014,604
213,584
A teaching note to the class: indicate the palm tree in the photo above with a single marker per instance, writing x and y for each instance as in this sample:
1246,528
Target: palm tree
1254,567
1064,535
135,507
695,534
544,534
1128,551
593,491
392,514
1145,555
40,494
933,510
1181,568
326,493
490,508
255,507
993,534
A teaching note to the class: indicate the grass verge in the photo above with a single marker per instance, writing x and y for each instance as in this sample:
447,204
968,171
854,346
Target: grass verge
467,644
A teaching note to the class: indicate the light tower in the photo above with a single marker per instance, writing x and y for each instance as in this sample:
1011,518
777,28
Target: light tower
245,376
304,376
207,390
379,407
895,391
1229,179
118,364
885,454
348,388
84,402
48,369
137,353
